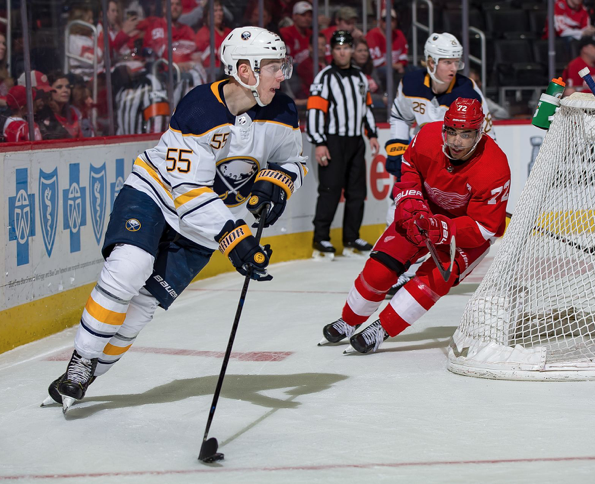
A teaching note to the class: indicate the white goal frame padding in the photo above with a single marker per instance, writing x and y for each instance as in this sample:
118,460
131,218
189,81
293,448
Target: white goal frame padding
533,315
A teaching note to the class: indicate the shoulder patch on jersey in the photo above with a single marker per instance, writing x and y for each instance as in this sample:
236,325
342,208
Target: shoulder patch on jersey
316,89
200,111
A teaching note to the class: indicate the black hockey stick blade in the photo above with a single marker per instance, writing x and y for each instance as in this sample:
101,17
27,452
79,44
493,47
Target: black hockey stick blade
208,451
445,273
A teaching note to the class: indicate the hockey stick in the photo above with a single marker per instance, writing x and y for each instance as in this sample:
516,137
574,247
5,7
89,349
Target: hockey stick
208,449
445,273
564,240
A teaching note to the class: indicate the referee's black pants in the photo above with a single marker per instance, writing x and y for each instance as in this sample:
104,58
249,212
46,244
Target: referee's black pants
346,171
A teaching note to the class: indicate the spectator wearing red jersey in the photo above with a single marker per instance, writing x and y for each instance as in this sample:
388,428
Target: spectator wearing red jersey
297,36
586,58
58,119
571,20
377,43
154,32
120,31
345,19
16,127
203,36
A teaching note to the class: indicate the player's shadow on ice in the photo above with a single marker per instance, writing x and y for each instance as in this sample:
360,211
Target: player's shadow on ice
237,387
437,337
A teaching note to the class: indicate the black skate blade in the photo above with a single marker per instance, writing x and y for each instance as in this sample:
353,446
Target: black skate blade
208,451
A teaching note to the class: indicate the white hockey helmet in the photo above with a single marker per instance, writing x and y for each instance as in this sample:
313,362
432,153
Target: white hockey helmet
442,46
253,44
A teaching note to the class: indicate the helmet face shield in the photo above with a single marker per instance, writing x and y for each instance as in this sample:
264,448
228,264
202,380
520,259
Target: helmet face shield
285,66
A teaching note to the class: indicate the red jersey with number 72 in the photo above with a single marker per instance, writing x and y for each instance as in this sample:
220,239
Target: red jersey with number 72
473,193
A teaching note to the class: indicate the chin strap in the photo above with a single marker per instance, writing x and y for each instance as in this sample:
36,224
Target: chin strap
253,88
433,75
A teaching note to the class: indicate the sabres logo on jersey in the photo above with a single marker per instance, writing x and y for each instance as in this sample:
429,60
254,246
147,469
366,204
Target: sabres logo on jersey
234,179
133,225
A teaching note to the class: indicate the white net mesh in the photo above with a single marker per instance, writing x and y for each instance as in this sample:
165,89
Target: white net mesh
533,316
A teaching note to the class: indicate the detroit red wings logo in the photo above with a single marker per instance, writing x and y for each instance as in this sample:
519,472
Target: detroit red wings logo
447,200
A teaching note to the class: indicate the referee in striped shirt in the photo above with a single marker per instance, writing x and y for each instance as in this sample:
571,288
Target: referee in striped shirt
338,113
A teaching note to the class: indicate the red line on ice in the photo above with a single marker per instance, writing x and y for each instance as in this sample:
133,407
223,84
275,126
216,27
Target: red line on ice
296,468
246,356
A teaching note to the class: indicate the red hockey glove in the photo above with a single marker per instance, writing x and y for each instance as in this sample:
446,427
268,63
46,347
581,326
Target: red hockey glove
408,203
438,228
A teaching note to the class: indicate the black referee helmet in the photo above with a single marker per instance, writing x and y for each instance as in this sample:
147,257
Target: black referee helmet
341,37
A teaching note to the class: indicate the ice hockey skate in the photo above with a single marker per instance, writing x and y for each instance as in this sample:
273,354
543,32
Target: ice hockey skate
368,341
73,384
336,332
323,250
357,248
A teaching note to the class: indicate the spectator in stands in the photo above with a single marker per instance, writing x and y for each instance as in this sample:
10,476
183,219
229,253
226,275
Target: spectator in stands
345,19
82,103
58,119
81,44
586,58
497,111
297,36
252,16
305,70
120,31
377,43
154,32
203,36
6,82
571,20
363,59
16,127
193,11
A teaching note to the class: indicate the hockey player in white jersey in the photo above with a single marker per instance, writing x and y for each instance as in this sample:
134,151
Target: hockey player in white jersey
228,143
424,97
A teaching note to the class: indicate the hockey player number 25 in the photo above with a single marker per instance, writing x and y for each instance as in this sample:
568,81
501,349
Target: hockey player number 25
503,190
176,161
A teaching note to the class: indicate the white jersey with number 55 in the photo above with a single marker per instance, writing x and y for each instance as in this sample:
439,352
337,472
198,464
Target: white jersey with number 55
202,170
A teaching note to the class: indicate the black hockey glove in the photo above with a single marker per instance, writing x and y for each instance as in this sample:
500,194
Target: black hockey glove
238,244
394,154
274,186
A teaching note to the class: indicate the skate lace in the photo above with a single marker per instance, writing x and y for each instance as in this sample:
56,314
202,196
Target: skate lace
374,334
342,327
360,242
326,244
79,370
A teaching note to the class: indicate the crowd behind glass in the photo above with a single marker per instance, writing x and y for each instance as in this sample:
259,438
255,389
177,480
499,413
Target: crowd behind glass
68,58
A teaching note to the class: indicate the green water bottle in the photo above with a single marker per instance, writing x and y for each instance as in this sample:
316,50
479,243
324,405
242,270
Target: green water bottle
548,102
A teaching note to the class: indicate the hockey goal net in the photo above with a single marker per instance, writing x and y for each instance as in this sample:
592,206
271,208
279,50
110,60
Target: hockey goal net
533,315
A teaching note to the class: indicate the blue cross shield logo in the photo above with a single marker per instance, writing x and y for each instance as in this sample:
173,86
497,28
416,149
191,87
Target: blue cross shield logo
74,207
48,208
116,186
21,216
97,199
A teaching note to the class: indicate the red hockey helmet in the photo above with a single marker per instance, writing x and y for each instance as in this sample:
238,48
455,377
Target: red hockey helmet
464,114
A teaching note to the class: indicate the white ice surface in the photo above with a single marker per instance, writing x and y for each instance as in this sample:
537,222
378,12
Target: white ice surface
315,416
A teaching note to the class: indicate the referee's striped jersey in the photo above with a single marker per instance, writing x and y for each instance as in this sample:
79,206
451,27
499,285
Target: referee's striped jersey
339,104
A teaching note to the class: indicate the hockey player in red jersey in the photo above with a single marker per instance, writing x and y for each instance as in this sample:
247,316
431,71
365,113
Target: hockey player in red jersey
455,183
